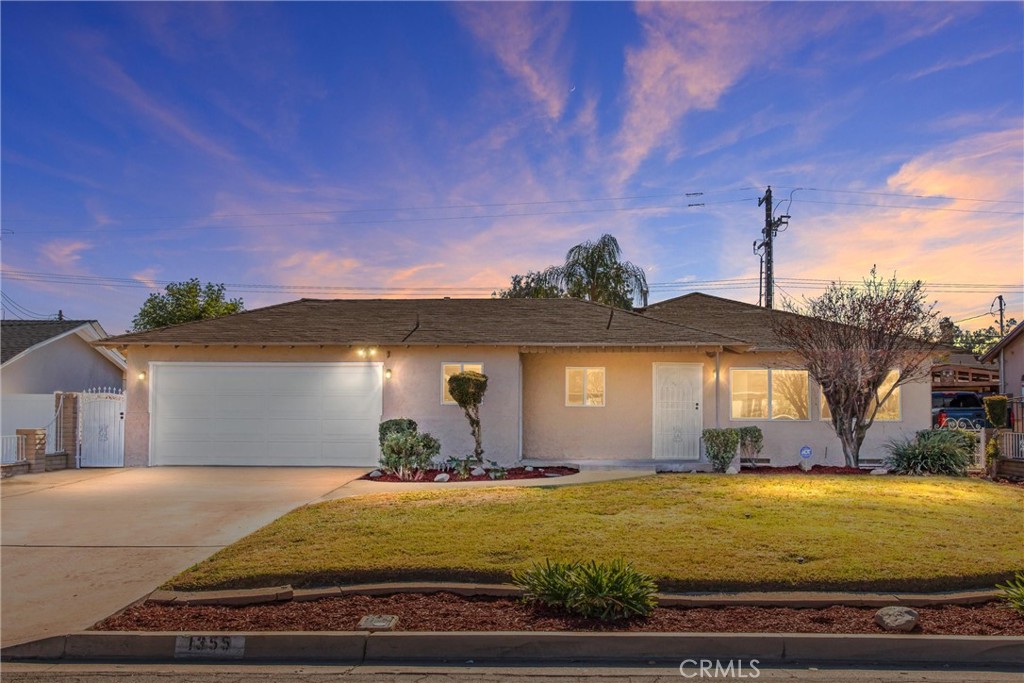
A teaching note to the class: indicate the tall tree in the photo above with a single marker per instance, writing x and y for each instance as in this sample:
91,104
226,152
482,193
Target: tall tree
184,302
977,342
533,285
851,337
594,271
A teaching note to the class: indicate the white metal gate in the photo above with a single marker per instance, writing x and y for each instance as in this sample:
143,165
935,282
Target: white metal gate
677,413
101,428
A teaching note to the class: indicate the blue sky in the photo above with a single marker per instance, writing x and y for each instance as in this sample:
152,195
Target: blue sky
391,149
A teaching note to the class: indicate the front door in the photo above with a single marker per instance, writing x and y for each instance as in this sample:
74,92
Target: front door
678,417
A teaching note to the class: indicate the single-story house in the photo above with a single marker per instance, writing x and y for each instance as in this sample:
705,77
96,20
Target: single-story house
40,357
1009,353
307,382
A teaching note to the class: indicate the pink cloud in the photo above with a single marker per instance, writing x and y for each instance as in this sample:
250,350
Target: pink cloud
527,40
63,254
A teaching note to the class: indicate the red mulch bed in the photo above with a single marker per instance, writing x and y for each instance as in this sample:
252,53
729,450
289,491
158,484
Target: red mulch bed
447,612
795,469
511,473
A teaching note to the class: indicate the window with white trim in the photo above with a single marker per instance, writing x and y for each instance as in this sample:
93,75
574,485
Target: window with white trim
584,387
891,409
763,394
449,369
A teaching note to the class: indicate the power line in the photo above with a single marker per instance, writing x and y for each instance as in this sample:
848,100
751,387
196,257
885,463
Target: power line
903,194
14,307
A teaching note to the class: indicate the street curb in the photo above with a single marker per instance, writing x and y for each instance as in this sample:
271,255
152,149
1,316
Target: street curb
362,647
794,599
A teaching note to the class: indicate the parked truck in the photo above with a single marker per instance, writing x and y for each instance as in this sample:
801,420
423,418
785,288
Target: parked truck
963,409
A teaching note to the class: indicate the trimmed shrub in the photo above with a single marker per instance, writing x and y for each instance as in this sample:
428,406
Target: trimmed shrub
992,450
399,424
1013,591
468,389
997,410
407,454
751,441
608,591
933,451
720,446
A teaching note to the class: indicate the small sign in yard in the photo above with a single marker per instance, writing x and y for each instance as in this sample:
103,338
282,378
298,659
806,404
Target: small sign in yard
805,452
377,622
209,647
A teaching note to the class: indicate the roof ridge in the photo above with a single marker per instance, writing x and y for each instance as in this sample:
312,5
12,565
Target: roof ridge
664,322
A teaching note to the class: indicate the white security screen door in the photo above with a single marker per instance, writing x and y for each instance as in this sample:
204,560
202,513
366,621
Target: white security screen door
678,416
280,414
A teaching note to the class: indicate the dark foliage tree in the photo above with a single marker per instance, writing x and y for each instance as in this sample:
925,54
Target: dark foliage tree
533,285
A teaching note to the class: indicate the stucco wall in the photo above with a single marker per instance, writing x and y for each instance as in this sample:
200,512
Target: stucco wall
622,428
68,364
1013,366
414,390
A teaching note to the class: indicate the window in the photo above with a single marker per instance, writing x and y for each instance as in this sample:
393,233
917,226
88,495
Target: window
584,387
890,411
449,369
761,394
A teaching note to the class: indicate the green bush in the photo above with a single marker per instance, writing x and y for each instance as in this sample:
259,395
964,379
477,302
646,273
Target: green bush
406,454
992,450
608,591
720,446
468,389
751,441
1013,591
933,451
996,410
399,424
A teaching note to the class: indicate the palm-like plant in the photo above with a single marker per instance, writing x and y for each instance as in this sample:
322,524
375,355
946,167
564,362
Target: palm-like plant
593,271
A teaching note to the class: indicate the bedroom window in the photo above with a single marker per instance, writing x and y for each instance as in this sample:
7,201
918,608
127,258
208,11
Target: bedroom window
584,387
449,369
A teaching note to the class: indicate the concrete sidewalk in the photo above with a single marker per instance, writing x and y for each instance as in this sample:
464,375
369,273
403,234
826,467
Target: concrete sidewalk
78,545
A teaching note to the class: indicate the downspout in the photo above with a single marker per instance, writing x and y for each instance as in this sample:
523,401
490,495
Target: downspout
1002,373
520,383
718,388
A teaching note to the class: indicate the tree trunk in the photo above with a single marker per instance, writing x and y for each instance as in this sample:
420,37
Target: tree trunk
851,439
474,427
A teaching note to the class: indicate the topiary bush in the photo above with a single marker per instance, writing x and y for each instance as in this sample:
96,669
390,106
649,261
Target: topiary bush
933,451
608,591
720,446
468,389
997,410
398,424
751,441
406,454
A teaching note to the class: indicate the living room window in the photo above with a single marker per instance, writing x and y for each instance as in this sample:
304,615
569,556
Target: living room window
584,387
763,394
890,411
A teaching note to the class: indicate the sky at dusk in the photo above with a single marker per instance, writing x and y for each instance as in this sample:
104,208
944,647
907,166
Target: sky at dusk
341,150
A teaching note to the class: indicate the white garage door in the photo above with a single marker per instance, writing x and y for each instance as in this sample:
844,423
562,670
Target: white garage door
265,413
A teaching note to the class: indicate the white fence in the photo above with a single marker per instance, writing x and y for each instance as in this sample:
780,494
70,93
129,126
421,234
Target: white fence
1012,445
13,449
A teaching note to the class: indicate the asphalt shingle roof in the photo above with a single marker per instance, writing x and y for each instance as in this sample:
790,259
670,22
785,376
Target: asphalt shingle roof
519,322
750,323
18,335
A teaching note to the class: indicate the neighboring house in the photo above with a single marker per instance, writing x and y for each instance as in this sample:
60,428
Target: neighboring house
306,383
42,357
1009,353
961,371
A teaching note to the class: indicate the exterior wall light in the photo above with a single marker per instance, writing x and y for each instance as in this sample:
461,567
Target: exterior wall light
361,351
387,374
142,376
372,351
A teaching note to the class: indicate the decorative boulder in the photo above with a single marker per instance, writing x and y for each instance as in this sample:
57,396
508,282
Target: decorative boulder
528,468
375,474
442,477
477,472
733,470
896,618
879,470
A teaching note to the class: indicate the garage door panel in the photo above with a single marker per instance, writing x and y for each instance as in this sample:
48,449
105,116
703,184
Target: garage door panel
266,414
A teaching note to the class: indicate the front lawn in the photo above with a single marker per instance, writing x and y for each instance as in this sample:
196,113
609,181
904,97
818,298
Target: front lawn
691,532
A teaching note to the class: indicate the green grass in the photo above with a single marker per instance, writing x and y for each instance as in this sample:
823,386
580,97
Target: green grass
690,532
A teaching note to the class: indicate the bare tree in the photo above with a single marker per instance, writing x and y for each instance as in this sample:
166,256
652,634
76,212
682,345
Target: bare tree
851,337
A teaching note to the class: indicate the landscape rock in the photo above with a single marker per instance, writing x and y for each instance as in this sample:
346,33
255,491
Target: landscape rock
551,474
442,477
528,468
478,472
879,470
733,470
896,618
375,474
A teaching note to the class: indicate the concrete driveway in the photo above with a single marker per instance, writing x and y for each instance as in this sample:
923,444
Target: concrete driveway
78,545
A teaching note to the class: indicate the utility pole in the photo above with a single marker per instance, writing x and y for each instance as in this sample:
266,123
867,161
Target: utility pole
771,228
1002,333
